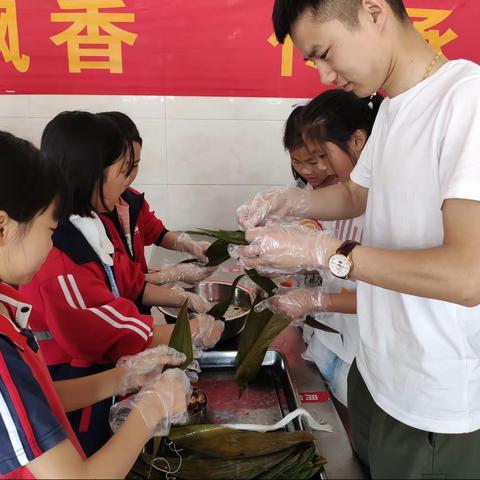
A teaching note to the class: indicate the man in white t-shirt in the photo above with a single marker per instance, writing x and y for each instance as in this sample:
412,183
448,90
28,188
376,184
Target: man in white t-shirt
414,393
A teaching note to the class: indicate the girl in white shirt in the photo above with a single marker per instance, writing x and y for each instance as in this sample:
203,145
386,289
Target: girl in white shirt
324,139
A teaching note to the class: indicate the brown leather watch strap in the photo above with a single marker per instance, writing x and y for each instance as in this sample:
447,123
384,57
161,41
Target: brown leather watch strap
346,247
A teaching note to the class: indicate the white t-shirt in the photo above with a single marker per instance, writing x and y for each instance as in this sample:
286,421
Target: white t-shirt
420,358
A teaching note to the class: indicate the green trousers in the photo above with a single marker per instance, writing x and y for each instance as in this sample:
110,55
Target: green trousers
391,449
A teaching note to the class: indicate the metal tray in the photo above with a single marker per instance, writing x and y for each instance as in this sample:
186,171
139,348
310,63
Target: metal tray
266,401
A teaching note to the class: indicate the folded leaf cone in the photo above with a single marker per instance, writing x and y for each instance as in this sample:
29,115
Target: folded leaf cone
181,339
261,328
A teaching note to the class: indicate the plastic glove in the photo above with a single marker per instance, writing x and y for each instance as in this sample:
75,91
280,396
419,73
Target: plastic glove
185,243
161,403
285,249
183,272
195,302
136,370
206,331
296,303
274,205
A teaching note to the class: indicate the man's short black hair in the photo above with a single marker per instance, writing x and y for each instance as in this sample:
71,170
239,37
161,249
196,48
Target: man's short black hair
286,12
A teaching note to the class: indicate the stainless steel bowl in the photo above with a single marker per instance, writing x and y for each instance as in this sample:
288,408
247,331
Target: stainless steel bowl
216,292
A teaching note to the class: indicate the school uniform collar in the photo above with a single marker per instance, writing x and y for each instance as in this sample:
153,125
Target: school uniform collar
71,241
135,203
95,233
16,331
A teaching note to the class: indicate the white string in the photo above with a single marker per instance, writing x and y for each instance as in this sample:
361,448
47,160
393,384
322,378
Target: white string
320,425
169,473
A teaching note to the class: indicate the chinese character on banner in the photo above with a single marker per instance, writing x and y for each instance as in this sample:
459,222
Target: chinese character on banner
430,18
93,41
286,69
9,41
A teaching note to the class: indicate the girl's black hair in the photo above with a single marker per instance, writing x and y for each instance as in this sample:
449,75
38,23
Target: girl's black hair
335,115
30,181
292,135
84,145
125,124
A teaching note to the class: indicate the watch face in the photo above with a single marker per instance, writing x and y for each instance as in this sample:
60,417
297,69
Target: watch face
339,265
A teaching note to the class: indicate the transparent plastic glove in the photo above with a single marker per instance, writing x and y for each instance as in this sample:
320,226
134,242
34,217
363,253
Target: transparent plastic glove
161,403
195,302
185,243
296,303
183,272
206,331
274,205
145,366
285,249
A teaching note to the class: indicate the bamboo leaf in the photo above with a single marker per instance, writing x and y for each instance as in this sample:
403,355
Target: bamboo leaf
222,442
237,237
256,322
311,322
265,283
181,339
248,369
219,309
217,253
220,469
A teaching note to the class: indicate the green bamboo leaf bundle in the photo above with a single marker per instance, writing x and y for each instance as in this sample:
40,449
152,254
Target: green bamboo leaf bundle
299,461
222,442
261,328
181,339
237,237
254,325
220,469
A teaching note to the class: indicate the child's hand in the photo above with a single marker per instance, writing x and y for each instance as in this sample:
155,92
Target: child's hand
206,331
296,303
183,272
136,370
161,403
185,243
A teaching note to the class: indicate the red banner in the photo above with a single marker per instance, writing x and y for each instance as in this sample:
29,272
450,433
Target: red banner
180,47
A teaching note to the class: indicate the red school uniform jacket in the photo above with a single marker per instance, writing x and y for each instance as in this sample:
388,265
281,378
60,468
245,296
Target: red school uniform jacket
32,420
145,228
75,312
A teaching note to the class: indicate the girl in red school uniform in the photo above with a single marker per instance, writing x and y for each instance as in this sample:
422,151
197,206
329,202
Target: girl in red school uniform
36,439
84,296
139,227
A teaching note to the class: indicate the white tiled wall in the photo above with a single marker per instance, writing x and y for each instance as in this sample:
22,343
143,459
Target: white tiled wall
202,156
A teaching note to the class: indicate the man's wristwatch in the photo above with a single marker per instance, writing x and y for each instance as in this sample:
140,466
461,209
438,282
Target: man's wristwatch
340,263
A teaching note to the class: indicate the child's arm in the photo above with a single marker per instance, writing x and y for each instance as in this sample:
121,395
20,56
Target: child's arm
182,242
80,392
154,295
131,372
113,460
153,410
299,302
